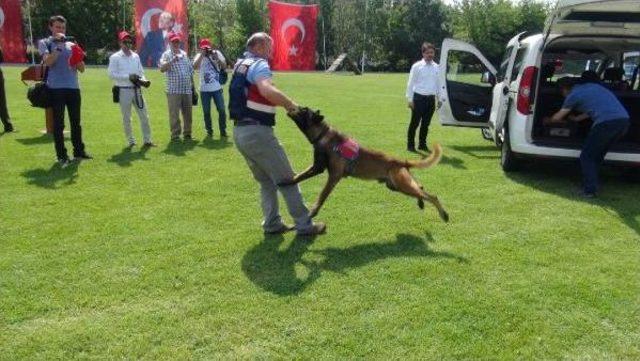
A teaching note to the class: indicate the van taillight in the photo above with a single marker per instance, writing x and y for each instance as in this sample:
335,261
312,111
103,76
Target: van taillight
527,89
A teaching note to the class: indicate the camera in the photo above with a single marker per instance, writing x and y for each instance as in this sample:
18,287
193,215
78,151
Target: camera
64,39
139,81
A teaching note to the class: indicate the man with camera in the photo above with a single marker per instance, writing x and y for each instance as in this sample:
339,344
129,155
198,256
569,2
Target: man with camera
211,65
179,73
64,59
4,112
126,71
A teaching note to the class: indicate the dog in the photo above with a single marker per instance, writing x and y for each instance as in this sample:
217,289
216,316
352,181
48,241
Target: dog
343,157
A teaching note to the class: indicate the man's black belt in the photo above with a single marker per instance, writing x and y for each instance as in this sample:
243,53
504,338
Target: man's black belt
244,122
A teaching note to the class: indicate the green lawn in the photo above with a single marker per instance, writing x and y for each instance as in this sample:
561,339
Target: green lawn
160,254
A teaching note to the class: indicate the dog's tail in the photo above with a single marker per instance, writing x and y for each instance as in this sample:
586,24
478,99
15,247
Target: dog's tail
431,160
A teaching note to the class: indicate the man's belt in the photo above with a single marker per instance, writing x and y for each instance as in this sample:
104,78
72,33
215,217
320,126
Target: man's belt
244,122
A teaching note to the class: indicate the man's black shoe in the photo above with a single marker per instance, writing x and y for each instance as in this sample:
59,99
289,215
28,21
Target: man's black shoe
64,162
284,228
424,148
411,149
8,128
223,135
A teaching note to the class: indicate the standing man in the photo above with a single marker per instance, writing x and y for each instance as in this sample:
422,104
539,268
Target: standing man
422,90
179,73
210,63
610,123
125,66
64,59
252,105
4,113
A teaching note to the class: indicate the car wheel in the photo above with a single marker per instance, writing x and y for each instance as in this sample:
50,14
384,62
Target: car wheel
508,160
486,134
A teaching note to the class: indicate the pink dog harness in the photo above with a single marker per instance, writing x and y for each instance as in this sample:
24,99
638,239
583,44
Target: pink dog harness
349,150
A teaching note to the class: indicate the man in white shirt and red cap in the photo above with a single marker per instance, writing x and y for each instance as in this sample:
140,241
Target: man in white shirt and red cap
126,71
422,94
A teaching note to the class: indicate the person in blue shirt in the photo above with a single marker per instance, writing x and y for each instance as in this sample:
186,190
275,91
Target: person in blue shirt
610,123
64,90
253,99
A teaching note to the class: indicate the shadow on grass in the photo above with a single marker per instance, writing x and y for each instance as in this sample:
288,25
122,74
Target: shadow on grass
211,143
274,270
619,188
127,156
41,139
53,177
180,148
488,151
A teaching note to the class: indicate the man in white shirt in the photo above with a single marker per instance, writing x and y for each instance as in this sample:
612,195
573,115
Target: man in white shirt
211,63
422,92
122,65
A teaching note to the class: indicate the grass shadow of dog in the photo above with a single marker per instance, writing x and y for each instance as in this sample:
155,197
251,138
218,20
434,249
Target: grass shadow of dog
285,272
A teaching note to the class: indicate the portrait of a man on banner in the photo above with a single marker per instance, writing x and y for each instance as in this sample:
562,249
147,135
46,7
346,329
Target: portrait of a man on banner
154,20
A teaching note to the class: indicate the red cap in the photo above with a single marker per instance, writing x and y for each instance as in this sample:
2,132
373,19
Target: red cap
174,36
123,35
204,43
77,55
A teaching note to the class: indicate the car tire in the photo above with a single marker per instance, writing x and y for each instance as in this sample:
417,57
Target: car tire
508,160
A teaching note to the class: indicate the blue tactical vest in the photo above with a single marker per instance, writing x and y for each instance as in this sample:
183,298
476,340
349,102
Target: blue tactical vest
245,101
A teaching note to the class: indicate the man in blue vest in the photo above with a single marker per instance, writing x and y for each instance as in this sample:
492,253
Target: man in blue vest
252,105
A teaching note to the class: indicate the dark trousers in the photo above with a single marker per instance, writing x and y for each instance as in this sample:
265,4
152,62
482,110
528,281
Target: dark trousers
218,99
600,138
423,108
4,113
69,98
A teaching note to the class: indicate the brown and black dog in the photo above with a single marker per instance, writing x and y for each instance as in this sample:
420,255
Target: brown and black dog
342,157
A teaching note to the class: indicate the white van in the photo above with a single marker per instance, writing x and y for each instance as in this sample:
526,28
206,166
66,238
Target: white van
510,101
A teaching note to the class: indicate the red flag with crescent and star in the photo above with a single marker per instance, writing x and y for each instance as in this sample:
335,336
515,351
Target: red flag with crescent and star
154,20
293,29
11,37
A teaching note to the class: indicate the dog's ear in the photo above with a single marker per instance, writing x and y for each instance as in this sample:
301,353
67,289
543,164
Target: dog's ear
317,117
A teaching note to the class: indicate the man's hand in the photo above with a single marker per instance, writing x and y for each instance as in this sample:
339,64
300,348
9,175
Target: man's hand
291,108
410,105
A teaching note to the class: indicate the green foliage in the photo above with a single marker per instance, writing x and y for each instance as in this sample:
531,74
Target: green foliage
489,24
159,254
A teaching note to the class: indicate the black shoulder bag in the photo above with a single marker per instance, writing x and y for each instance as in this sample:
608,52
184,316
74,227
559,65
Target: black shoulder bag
38,94
222,72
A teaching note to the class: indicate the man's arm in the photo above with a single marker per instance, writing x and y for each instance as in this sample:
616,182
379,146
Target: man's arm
197,61
559,116
80,66
579,117
275,96
165,64
410,84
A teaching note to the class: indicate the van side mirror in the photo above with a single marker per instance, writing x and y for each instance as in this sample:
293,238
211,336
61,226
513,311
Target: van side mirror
488,78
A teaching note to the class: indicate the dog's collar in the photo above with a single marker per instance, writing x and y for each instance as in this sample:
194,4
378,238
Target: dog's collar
321,135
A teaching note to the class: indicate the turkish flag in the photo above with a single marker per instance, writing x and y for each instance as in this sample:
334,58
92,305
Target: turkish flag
154,20
11,38
293,29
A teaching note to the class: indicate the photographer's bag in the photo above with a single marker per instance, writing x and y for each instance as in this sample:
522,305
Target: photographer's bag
38,94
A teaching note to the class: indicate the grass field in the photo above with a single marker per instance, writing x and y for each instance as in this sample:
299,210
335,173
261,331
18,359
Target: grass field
160,254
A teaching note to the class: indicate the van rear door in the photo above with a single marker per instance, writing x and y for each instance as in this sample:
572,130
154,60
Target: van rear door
466,80
595,17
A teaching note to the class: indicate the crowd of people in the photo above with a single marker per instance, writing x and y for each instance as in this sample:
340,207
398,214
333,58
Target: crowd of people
252,106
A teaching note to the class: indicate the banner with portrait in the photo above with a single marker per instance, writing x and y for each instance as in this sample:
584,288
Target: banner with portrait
154,20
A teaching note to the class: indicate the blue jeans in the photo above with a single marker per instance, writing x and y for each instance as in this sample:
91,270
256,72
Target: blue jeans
600,138
206,109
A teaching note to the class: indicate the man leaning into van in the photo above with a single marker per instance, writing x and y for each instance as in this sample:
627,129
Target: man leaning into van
610,123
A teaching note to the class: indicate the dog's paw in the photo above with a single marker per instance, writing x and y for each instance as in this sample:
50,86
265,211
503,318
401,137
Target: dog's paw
420,203
313,211
445,216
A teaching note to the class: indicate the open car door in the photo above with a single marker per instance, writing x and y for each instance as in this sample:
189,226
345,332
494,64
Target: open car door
466,82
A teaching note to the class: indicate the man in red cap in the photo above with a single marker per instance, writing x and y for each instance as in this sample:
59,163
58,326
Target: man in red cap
125,66
211,63
179,73
64,59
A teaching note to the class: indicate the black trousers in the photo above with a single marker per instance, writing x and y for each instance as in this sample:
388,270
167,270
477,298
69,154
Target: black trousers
69,98
4,113
423,108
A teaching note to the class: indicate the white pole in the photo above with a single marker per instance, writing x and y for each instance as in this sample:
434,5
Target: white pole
364,35
33,59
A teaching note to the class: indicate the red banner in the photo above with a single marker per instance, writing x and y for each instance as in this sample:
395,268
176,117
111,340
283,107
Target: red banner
293,29
11,38
154,19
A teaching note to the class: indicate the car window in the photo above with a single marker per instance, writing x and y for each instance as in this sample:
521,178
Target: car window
630,61
464,67
504,64
517,63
